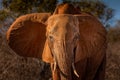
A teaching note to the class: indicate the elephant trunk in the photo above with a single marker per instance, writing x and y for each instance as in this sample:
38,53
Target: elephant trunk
64,62
64,59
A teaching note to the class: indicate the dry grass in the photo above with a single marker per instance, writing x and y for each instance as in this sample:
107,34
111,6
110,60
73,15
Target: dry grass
113,62
14,67
113,54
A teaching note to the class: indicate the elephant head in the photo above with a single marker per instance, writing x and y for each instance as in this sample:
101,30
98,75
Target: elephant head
66,8
74,45
61,44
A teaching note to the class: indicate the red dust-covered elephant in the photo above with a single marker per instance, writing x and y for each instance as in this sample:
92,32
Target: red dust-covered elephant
73,43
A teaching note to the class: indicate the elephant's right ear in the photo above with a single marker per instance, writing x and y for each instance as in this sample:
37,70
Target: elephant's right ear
26,36
47,55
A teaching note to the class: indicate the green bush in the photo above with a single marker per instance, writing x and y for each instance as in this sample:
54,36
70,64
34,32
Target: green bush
114,34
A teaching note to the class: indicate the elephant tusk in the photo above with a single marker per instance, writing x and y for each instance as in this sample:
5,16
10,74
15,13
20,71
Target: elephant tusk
75,72
54,66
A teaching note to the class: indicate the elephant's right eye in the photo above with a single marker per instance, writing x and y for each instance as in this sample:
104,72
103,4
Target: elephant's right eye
51,38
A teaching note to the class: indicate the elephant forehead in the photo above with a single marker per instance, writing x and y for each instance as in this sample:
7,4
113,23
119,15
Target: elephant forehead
61,23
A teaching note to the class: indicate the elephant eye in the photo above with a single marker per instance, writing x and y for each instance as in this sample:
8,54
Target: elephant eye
51,38
77,37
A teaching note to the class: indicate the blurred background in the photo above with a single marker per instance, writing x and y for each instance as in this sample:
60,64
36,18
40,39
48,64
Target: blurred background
14,67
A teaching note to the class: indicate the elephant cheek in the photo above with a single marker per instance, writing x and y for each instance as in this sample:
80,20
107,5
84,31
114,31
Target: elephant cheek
47,55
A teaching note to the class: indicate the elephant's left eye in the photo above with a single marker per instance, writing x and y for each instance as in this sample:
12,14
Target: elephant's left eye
77,37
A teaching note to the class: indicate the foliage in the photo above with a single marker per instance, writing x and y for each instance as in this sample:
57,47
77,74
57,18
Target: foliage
28,6
95,7
114,33
3,15
47,6
18,5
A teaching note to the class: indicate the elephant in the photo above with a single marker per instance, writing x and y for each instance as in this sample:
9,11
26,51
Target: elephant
73,43
76,47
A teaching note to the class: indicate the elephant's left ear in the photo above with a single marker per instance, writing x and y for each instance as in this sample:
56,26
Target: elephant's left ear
92,37
26,36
